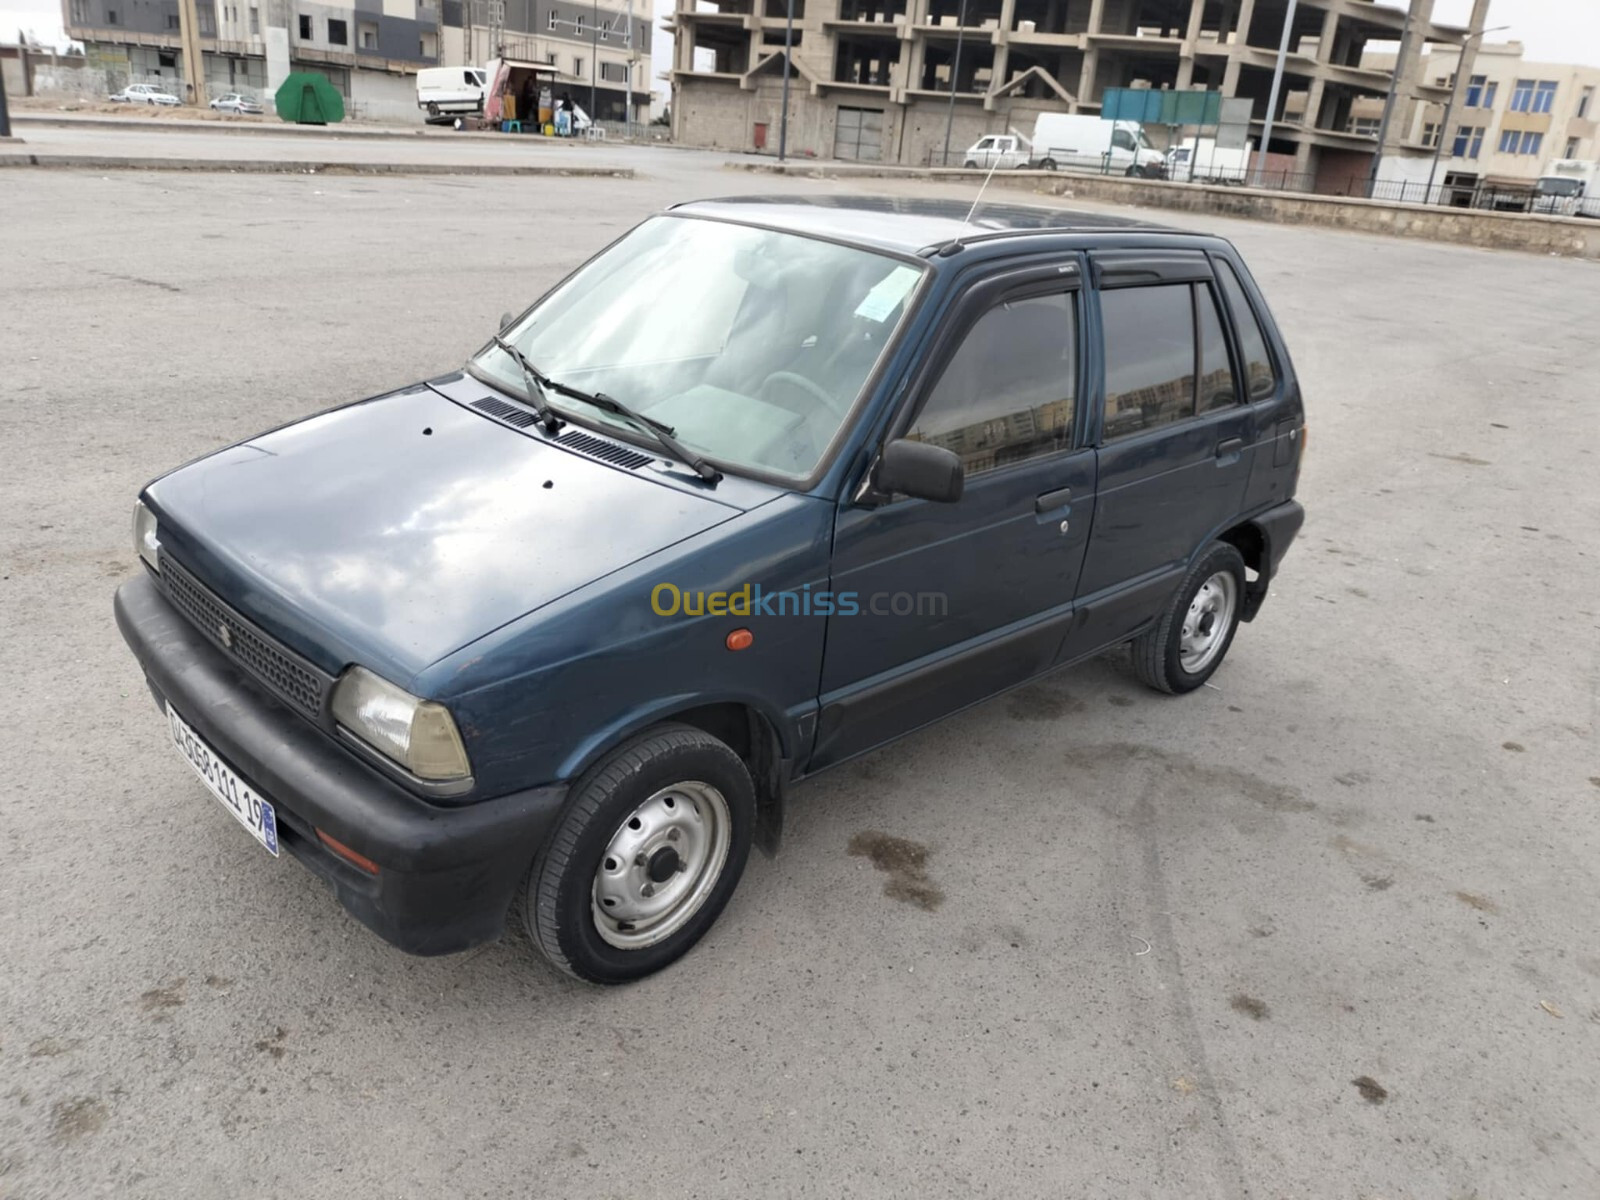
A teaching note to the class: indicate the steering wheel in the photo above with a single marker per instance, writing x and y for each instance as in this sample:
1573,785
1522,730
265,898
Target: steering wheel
801,384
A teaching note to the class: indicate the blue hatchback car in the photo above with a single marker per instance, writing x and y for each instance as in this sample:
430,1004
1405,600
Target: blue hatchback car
764,485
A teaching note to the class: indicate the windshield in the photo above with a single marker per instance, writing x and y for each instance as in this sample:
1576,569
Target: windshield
751,345
1557,186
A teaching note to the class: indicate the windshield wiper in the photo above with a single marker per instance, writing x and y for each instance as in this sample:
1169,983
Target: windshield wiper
663,433
537,385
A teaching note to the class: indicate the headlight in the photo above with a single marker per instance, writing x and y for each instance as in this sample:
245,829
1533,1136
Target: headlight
420,735
145,542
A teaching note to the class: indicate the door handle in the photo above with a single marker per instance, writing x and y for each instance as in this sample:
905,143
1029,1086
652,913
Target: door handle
1229,447
1053,500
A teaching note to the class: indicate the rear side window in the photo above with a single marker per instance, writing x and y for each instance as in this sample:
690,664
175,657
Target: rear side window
1258,374
1216,373
1010,391
1150,357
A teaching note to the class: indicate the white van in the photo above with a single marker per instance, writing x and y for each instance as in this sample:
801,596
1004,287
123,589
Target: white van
1568,187
1092,143
443,91
1073,142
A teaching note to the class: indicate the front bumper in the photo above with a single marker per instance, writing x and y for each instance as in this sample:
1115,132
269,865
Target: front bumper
446,874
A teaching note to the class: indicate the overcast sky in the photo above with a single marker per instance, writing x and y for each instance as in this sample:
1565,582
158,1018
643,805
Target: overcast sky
1552,30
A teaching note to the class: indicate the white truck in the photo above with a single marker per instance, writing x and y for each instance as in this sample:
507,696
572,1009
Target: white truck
1072,141
445,92
1568,187
1201,160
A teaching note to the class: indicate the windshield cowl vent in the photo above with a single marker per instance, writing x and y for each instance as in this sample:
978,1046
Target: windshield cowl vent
609,452
581,443
521,418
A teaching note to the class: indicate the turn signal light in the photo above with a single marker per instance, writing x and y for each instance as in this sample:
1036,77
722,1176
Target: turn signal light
360,861
740,639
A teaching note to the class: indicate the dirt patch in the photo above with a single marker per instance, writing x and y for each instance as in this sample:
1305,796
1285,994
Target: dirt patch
1256,1010
1371,1090
906,864
1378,883
52,1047
1465,460
1120,701
1473,900
159,1000
1514,747
273,1043
73,1119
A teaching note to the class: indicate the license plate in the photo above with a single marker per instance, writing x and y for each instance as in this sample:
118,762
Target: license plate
238,797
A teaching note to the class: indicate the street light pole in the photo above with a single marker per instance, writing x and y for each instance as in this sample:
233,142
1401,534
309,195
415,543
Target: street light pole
955,71
1272,99
1388,101
1444,122
788,49
594,65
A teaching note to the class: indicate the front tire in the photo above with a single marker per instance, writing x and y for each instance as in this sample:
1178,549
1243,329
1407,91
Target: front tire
1190,639
650,849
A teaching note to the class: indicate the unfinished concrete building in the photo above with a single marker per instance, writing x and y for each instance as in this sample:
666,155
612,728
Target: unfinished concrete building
872,80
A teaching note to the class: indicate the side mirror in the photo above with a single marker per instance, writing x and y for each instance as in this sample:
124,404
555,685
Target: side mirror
506,319
921,470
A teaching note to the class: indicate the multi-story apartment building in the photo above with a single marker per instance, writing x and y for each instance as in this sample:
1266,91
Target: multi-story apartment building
599,47
879,79
371,49
1510,116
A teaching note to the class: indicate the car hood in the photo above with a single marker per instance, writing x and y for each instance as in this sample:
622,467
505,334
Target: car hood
396,530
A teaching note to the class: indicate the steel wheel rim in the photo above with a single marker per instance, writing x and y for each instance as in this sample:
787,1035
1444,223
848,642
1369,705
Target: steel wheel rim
660,865
1207,621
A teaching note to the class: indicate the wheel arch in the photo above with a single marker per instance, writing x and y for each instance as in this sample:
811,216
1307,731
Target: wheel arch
1250,540
746,727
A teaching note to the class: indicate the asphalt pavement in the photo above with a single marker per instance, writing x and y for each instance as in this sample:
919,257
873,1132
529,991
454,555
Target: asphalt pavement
1324,929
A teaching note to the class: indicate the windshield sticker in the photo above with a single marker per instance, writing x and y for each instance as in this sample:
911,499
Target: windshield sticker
887,293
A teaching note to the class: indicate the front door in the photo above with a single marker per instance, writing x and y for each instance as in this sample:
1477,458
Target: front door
940,605
1174,438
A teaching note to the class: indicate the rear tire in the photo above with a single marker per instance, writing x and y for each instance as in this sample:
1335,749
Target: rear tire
1190,639
648,852
1047,164
970,165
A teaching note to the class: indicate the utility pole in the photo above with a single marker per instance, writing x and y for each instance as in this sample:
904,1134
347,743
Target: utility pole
1272,100
955,70
5,113
194,64
594,65
788,49
1444,121
1388,102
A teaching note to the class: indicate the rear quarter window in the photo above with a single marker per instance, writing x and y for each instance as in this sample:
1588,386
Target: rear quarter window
1260,379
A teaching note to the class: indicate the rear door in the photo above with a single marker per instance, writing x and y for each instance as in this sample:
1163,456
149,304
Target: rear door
1173,437
939,605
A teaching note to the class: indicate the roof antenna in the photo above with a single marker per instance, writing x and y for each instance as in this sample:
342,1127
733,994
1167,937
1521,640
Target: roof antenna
979,199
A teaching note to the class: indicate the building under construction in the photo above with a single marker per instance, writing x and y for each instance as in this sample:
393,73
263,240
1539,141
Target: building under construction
893,80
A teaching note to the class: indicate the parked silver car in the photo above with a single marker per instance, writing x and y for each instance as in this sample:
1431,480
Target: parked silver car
237,102
144,93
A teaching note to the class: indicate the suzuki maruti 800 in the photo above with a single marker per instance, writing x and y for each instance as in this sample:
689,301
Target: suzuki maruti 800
764,485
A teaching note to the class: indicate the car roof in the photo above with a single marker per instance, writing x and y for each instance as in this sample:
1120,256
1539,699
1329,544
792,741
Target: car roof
906,225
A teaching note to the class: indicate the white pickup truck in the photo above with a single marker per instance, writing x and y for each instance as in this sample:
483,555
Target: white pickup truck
1201,160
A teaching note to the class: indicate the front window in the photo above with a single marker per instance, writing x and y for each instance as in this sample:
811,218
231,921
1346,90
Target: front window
1556,186
752,345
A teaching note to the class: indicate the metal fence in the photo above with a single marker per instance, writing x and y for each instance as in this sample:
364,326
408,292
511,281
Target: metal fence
1492,197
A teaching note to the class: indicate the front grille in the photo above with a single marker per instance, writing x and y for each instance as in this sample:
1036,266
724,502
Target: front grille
281,670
